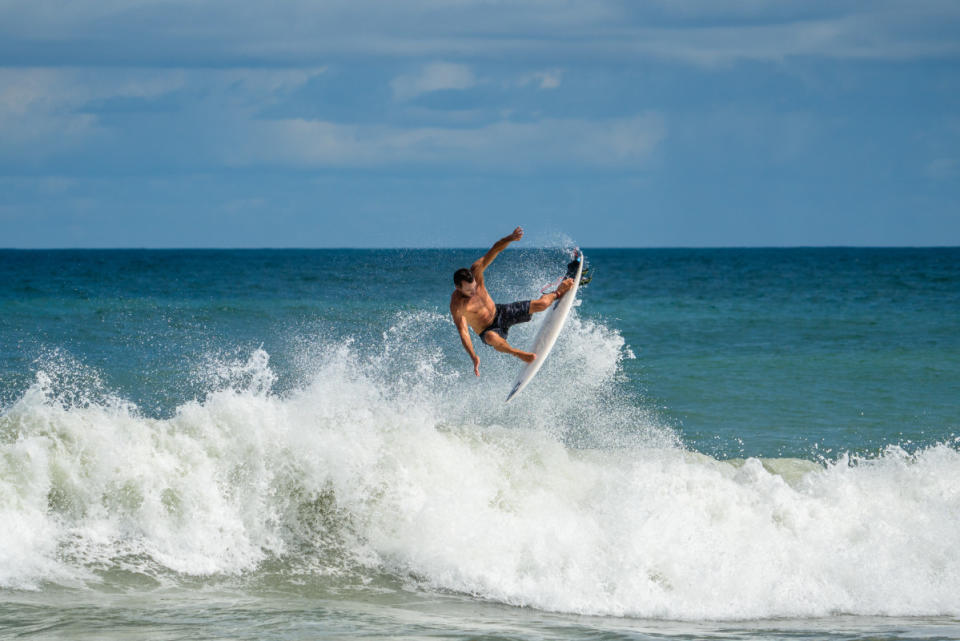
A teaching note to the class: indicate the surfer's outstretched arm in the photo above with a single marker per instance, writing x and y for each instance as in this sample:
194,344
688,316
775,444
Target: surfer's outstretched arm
481,264
464,331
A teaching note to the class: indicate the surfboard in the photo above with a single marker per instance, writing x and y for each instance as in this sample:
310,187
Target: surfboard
555,319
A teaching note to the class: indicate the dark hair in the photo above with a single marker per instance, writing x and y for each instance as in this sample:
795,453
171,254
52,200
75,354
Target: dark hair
462,274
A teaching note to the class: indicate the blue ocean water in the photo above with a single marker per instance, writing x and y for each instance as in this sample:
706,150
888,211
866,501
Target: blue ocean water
760,436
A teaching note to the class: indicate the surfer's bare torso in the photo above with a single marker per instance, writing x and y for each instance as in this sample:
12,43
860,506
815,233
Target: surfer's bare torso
472,307
478,310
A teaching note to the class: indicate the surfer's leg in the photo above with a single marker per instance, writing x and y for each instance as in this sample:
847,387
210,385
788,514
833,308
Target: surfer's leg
500,344
547,300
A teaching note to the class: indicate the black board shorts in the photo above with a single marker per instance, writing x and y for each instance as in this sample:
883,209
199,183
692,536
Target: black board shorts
508,315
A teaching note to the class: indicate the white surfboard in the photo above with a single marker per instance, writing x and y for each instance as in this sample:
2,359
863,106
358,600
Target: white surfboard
555,319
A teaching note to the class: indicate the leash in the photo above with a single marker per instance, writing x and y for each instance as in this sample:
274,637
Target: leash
553,285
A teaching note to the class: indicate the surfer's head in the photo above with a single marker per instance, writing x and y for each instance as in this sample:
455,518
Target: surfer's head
463,281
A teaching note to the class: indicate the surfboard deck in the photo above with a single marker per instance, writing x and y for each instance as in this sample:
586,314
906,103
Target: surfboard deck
556,318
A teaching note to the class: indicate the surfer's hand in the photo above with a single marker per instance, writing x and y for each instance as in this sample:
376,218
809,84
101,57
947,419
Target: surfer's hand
476,365
517,234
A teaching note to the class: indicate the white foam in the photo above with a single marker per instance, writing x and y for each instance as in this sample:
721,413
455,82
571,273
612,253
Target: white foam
421,475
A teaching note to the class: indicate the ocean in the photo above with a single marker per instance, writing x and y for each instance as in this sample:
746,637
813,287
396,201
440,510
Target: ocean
291,444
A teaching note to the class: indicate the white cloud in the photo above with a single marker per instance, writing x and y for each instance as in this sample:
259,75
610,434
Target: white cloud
262,82
301,32
27,88
852,37
549,79
43,111
514,146
435,76
38,113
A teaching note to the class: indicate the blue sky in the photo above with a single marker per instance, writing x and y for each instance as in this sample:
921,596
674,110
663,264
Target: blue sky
240,123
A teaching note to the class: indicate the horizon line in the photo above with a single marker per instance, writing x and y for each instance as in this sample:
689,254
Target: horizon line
441,248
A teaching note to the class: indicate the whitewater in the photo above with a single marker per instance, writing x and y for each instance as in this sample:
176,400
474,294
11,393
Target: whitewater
390,465
281,445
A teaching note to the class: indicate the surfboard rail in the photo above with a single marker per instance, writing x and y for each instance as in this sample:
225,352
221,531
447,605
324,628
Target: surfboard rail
556,318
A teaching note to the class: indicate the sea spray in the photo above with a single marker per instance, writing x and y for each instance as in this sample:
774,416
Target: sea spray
388,461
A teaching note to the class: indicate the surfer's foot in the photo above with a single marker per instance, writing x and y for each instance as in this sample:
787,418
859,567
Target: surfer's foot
526,357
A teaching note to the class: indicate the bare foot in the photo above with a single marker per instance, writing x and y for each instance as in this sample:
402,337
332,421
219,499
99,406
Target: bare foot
564,287
526,357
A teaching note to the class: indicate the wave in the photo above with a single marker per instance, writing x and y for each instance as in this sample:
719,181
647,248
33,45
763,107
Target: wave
388,460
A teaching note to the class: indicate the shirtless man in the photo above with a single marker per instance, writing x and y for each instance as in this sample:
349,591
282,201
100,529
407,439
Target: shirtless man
471,306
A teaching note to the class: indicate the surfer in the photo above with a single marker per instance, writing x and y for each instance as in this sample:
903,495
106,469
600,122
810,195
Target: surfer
472,307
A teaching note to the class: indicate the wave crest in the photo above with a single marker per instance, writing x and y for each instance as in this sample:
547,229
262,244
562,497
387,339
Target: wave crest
392,461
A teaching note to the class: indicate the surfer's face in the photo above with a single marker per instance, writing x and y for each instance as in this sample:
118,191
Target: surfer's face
468,288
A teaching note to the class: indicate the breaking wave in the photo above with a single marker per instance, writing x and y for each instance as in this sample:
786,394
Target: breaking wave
390,461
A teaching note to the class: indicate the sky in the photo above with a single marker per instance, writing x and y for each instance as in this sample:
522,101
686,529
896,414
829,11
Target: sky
427,123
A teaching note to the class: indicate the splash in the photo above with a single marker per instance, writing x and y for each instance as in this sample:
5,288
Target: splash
388,459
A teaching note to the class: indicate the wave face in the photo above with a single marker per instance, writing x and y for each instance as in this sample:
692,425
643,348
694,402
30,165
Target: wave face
385,462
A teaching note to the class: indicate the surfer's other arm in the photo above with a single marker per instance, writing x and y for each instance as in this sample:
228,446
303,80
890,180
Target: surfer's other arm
464,331
484,262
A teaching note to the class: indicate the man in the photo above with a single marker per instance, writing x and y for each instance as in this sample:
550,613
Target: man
472,307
